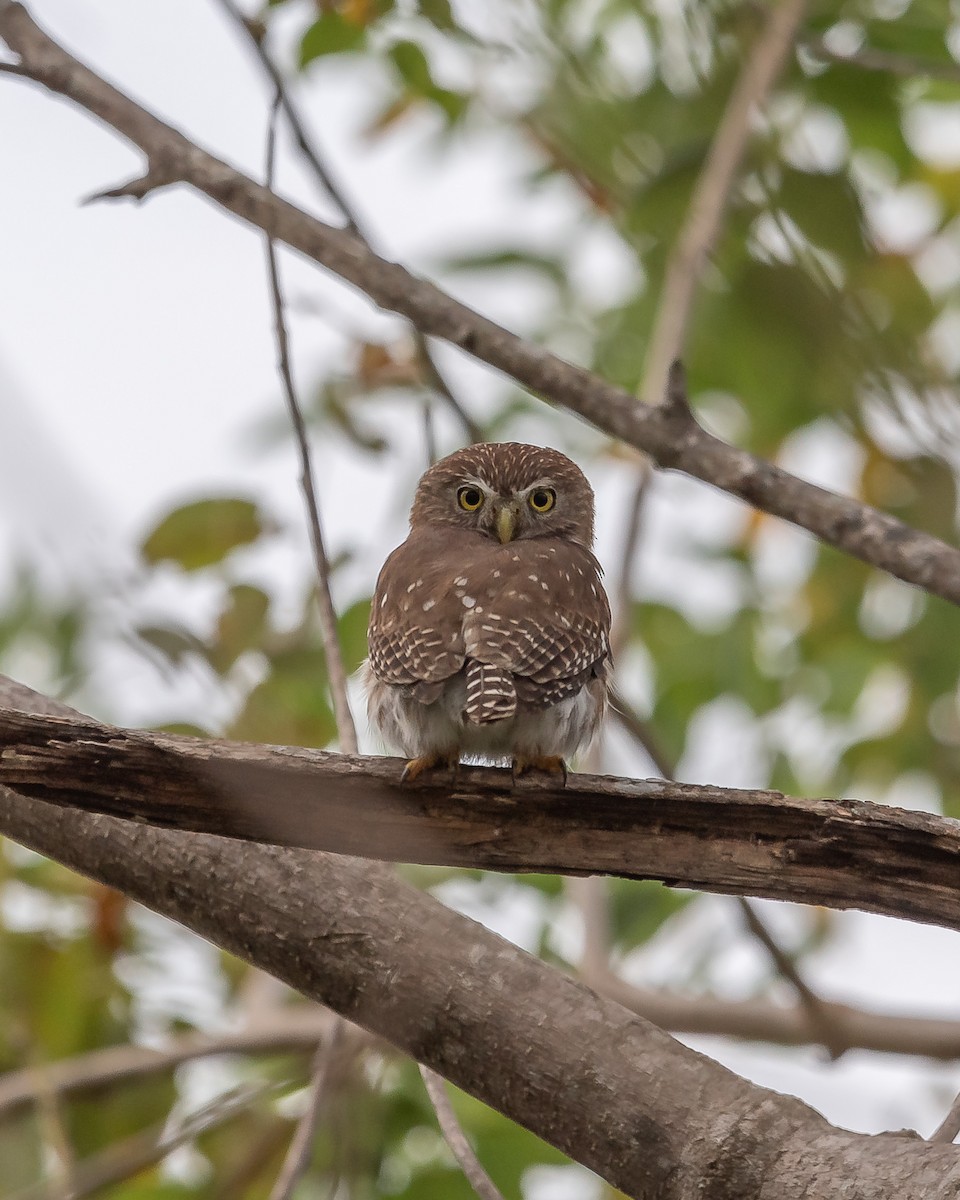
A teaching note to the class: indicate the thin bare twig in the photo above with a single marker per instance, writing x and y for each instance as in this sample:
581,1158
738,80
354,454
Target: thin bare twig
904,66
823,1020
300,1150
346,730
254,32
711,196
630,720
433,376
674,442
829,1031
661,381
294,1031
456,1139
620,633
298,1156
949,1127
121,1160
54,1132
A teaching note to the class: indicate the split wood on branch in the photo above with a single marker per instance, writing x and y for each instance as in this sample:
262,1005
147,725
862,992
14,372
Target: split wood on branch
650,1116
667,432
838,853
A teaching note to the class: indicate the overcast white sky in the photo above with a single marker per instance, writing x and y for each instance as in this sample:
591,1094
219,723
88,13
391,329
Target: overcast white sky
136,350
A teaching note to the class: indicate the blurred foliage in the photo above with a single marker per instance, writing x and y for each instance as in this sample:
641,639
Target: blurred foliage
824,328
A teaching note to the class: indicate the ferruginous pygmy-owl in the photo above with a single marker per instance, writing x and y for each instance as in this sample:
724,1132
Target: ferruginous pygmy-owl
489,629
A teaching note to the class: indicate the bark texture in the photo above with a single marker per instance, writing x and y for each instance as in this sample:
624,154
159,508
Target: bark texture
652,1117
838,853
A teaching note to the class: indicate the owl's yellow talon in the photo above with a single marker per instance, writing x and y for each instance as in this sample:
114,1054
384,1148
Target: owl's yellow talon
426,762
550,763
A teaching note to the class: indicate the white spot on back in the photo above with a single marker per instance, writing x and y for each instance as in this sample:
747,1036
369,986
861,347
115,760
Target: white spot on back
468,602
428,604
460,581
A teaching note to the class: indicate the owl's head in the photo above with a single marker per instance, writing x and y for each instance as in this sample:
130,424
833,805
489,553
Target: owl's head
507,491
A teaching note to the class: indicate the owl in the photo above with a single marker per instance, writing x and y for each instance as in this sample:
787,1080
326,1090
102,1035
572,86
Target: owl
489,631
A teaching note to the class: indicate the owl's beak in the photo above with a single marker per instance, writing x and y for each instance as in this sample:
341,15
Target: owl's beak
506,523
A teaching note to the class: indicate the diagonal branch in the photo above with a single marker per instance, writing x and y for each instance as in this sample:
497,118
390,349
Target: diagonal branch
668,433
126,1158
296,1031
711,195
823,1020
904,66
456,1139
840,854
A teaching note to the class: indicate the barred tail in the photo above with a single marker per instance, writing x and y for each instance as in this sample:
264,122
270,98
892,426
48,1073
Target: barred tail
491,695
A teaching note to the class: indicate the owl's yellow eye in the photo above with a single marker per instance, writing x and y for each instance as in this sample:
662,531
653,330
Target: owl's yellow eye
469,498
543,499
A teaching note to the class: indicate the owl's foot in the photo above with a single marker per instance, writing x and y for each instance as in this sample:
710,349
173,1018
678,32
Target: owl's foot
426,762
550,763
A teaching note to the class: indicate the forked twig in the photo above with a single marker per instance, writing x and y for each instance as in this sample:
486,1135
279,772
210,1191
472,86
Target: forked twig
433,376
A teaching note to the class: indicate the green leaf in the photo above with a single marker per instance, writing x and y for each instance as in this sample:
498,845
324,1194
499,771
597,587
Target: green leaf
438,13
639,908
412,64
331,34
289,707
240,626
204,533
519,258
175,644
352,629
826,209
414,69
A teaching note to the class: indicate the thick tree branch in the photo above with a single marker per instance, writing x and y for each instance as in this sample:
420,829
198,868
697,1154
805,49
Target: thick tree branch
666,432
652,1117
839,853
